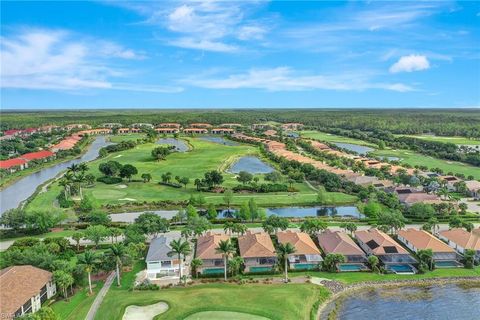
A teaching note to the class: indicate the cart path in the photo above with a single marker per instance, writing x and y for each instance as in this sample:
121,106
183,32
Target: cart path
99,298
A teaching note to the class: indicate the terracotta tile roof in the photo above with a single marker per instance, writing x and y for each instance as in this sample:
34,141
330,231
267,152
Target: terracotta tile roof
6,164
301,241
473,185
415,197
338,242
200,125
380,241
463,238
254,245
37,155
195,130
421,240
19,284
169,125
207,245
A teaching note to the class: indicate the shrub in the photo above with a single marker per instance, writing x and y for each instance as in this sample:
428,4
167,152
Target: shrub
109,180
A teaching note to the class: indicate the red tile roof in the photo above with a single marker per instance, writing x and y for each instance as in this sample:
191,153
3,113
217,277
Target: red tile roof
6,164
37,155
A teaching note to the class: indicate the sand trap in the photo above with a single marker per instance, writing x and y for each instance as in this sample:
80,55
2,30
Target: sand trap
121,186
145,312
127,199
221,315
120,155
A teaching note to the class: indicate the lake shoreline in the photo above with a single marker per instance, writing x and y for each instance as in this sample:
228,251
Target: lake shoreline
340,290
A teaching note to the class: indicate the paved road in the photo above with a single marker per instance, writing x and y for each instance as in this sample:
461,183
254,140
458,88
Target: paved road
99,298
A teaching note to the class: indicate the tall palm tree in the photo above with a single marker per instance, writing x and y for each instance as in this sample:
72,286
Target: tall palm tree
226,248
284,250
83,167
73,168
89,261
179,248
79,179
118,253
228,227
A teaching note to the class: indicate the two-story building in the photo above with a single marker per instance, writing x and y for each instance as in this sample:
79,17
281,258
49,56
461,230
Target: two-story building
257,251
159,263
207,252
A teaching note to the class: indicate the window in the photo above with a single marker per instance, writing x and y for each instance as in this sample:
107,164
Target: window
167,263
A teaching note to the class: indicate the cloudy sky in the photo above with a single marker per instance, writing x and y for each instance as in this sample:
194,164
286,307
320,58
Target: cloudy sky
214,54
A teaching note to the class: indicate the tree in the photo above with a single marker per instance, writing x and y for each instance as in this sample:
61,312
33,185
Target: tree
234,265
244,213
372,209
13,218
191,212
253,209
422,210
391,221
117,253
96,234
213,178
115,233
244,177
127,171
198,184
89,261
467,225
166,177
273,223
349,226
110,168
152,224
42,221
77,236
146,177
184,181
312,226
133,234
455,222
228,198
211,212
226,248
239,228
195,264
63,280
431,225
373,262
86,205
198,225
273,176
426,257
331,260
463,208
44,313
179,248
284,250
322,197
228,227
161,153
469,258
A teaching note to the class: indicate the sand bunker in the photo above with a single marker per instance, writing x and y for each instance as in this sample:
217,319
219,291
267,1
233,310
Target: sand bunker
144,312
121,186
127,199
120,155
220,315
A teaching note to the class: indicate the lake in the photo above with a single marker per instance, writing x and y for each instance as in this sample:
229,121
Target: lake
219,140
251,165
179,144
13,195
433,302
363,150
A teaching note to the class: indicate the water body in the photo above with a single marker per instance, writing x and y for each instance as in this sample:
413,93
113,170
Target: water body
130,217
354,147
390,158
251,165
434,302
179,144
12,196
219,140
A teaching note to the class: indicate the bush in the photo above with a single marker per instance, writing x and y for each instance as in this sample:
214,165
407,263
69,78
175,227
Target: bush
264,188
109,180
63,202
147,286
170,184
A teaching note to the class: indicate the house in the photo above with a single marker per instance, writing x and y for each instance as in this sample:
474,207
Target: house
195,131
270,133
169,125
340,243
111,125
257,252
159,263
67,143
141,125
231,125
77,126
24,289
460,240
292,126
410,196
169,130
390,253
44,155
366,181
13,165
443,255
449,182
223,131
200,125
306,255
473,188
207,252
95,131
260,126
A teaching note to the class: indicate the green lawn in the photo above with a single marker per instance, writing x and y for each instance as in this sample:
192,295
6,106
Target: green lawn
77,306
63,233
126,137
203,157
456,140
327,137
221,315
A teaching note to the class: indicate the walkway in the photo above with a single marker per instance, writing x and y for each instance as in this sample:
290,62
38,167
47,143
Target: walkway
99,298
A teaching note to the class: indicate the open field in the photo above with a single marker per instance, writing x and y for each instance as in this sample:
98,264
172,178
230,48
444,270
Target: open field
203,157
327,137
456,140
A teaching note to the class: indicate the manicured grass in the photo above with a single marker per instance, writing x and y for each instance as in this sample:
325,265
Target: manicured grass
63,233
456,140
77,306
204,156
221,315
126,137
327,137
417,159
275,301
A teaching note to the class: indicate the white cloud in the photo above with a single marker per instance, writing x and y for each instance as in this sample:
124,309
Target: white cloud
287,79
251,33
203,44
410,63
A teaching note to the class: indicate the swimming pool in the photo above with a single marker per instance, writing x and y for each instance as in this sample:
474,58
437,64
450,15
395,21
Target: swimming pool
345,267
400,268
260,269
306,266
213,271
447,264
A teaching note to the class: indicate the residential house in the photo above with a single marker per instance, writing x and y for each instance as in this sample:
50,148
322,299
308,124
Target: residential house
473,188
292,126
159,263
306,255
169,130
169,125
443,255
223,131
394,257
450,182
270,133
207,252
67,143
112,125
77,126
200,125
257,251
461,239
23,290
43,155
340,243
410,196
195,131
260,126
231,125
141,125
13,165
95,131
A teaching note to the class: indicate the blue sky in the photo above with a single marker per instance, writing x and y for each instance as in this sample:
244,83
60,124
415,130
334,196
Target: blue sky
213,54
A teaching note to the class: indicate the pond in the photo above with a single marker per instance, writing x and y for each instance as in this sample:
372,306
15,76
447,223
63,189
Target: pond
431,302
301,212
251,165
179,144
12,196
363,150
219,140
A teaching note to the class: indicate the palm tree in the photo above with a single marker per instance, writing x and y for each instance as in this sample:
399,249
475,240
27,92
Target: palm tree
373,262
66,186
89,260
79,179
195,264
179,248
284,250
226,248
83,167
118,253
229,227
